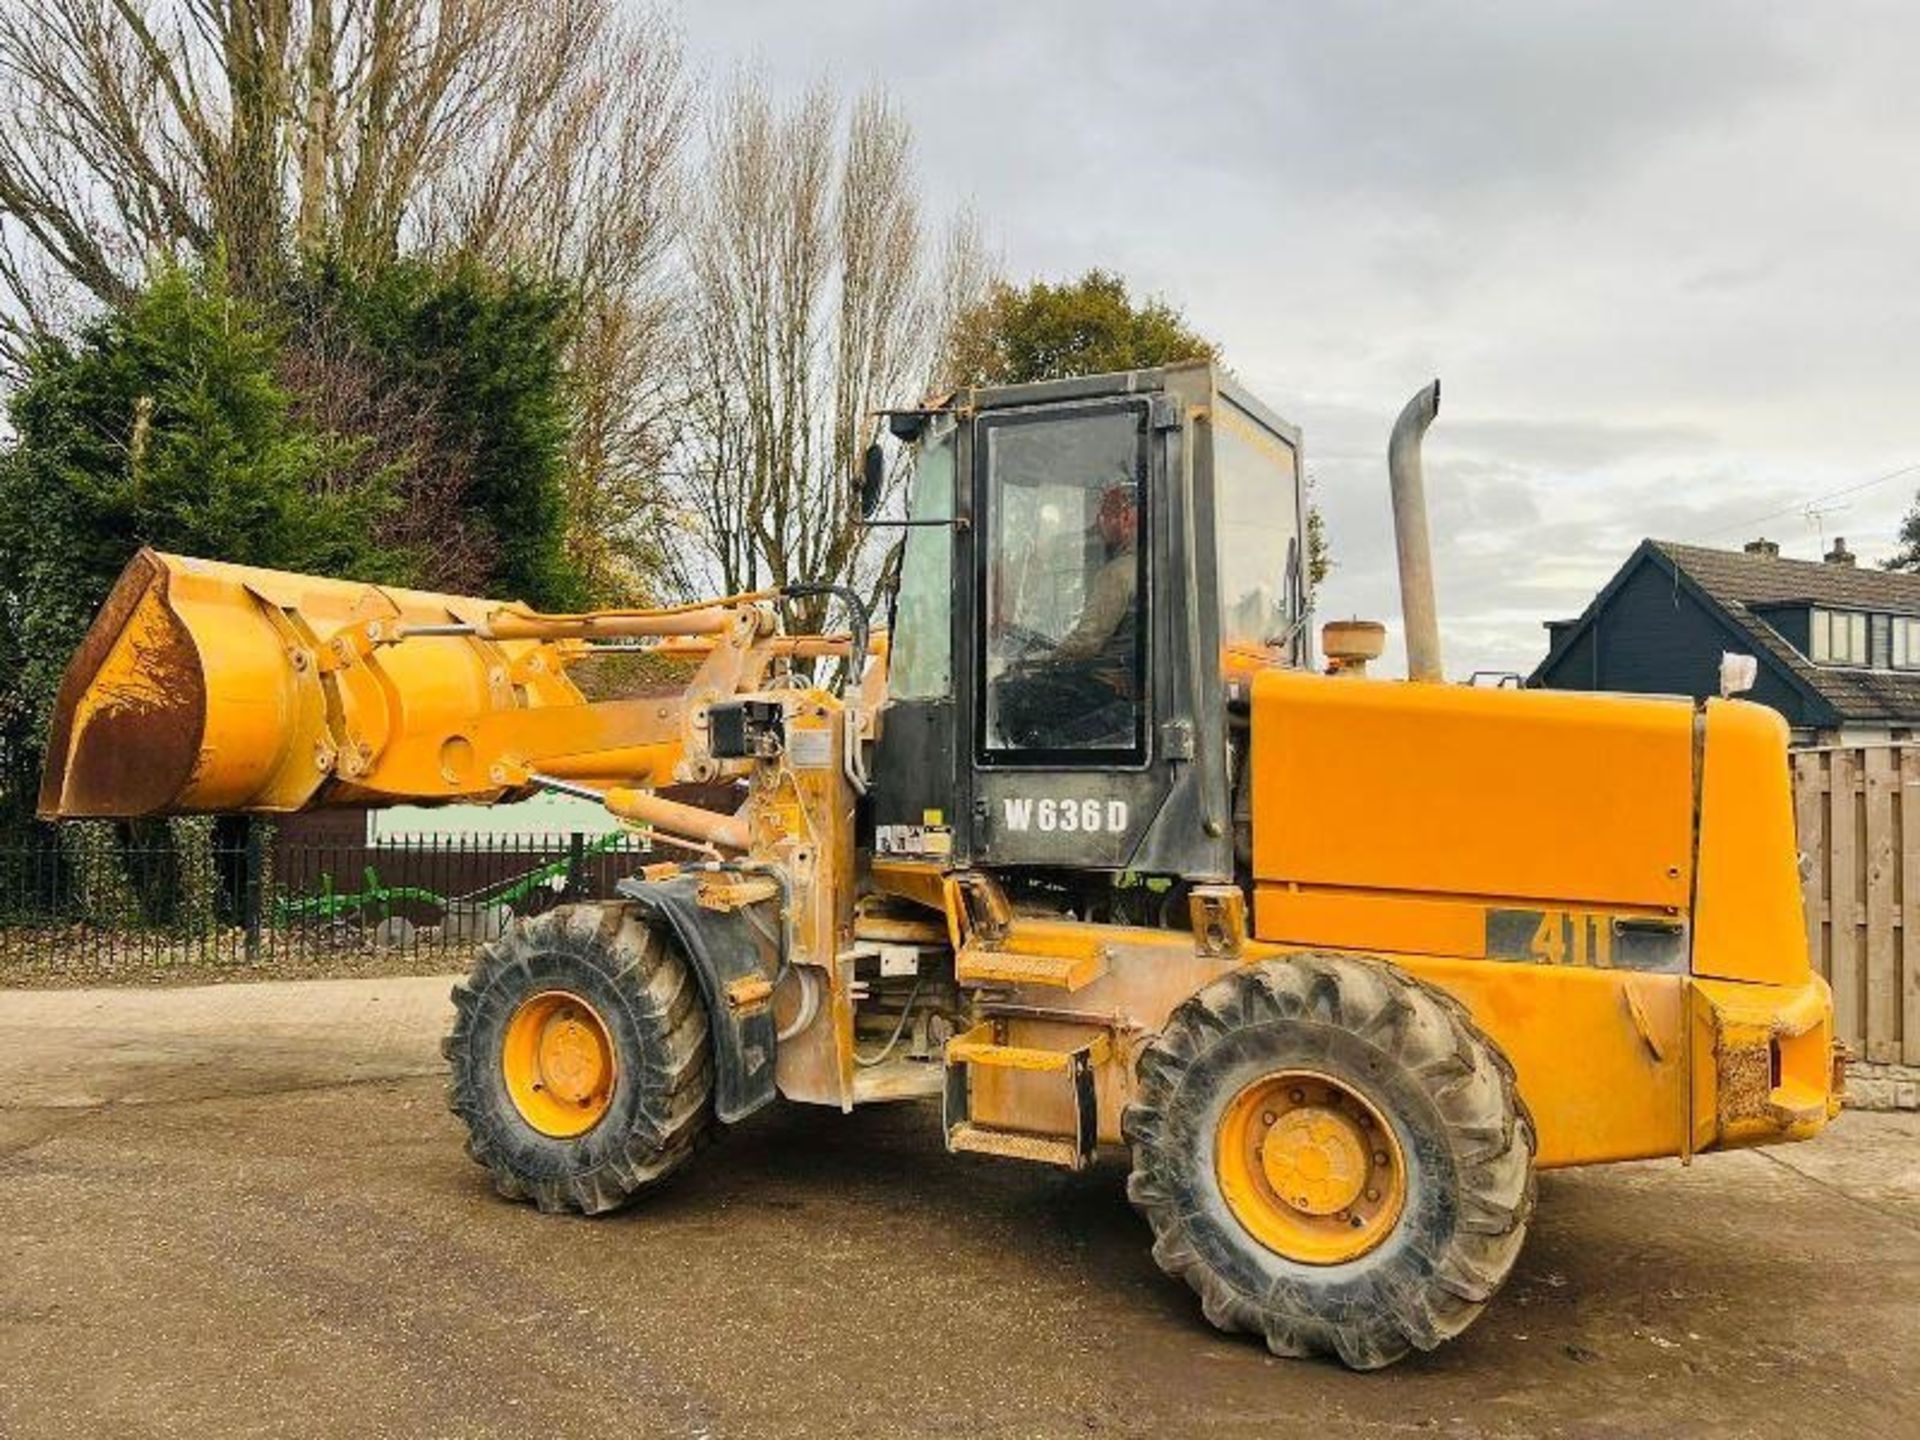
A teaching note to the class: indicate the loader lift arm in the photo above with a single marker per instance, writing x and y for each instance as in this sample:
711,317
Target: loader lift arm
208,687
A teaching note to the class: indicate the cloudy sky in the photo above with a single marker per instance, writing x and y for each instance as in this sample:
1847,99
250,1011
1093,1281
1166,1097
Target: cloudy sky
1665,258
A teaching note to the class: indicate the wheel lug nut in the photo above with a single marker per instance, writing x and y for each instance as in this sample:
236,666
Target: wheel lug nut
1373,1194
1297,1096
1379,1157
1266,1117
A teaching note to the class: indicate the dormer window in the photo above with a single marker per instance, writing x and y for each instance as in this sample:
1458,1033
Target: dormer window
1840,637
1906,643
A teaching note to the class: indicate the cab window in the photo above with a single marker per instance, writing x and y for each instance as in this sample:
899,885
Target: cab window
1063,597
920,658
1263,599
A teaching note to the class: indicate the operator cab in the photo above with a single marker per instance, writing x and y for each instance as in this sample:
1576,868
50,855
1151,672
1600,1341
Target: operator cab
1086,560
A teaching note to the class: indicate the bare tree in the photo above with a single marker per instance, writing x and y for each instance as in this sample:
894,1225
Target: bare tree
740,360
542,133
143,127
577,174
815,297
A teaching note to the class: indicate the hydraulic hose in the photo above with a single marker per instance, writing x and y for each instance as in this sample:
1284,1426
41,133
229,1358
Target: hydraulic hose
861,622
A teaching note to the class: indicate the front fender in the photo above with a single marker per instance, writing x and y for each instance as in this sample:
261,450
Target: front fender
729,928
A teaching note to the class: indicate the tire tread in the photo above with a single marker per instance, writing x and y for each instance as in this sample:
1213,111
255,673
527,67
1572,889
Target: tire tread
1472,1085
629,953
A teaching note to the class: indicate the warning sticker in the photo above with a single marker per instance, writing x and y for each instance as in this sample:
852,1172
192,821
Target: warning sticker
913,839
811,749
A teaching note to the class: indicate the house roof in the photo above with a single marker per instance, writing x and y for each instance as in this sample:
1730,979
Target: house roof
1743,587
1741,583
1736,576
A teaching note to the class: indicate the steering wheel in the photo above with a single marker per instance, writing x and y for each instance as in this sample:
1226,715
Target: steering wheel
1027,642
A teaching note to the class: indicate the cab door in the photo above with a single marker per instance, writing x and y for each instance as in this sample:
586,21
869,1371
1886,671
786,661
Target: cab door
1070,722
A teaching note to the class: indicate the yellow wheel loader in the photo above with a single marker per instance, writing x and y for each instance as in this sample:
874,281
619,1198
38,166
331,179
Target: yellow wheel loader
1078,843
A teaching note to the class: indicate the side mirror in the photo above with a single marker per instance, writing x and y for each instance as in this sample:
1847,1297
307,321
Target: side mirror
873,480
908,425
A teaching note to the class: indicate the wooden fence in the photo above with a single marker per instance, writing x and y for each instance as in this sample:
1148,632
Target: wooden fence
1858,812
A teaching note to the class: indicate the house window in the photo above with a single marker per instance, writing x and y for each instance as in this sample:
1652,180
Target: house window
1906,643
1839,637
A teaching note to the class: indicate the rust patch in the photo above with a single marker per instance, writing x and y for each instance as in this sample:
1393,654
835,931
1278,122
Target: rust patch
734,892
1746,1084
131,710
750,992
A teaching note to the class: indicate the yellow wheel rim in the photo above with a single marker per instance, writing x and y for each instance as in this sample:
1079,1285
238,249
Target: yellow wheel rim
558,1060
1310,1167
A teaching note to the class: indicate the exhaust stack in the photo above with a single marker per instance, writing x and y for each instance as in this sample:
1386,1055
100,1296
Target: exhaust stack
1417,606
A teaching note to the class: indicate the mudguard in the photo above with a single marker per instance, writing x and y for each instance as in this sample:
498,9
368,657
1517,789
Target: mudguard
736,949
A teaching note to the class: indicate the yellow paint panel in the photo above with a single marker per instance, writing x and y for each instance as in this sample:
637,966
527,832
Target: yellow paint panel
1451,790
1363,920
1749,923
1600,1054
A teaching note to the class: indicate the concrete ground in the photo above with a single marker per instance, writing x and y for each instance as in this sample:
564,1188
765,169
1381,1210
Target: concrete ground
243,1210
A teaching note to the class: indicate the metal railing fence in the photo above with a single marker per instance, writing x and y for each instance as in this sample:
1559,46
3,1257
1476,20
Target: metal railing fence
204,898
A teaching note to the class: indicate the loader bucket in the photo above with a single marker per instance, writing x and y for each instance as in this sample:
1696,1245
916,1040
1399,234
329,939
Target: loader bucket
131,709
199,688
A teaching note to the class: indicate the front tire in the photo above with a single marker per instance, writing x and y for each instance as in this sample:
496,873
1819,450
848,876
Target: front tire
1334,1156
579,1059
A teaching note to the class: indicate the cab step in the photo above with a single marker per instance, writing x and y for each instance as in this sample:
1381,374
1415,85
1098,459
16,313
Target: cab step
1014,1145
1012,967
985,1046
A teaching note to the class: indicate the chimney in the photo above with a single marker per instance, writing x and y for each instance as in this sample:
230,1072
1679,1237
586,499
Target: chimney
1839,554
1763,546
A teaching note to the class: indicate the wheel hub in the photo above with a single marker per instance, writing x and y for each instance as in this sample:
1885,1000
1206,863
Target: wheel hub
573,1061
558,1061
1315,1159
1310,1167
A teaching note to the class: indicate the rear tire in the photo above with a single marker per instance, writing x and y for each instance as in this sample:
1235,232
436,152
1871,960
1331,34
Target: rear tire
1430,1160
634,1065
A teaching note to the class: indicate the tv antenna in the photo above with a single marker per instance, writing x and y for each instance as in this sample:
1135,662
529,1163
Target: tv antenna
1817,517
